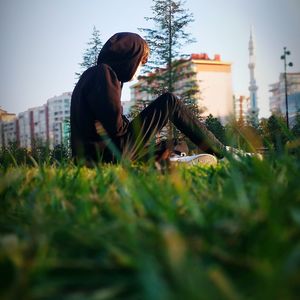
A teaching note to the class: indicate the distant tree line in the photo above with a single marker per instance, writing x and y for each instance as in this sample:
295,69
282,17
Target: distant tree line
39,154
270,137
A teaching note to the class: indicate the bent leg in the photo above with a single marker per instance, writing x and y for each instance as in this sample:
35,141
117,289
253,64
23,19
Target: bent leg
155,116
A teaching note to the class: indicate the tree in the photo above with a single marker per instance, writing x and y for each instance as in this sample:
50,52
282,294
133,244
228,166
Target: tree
278,133
165,41
90,55
215,126
40,150
13,155
294,145
296,127
166,66
60,153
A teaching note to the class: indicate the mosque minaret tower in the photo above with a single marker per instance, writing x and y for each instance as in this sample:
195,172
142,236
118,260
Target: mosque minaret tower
253,110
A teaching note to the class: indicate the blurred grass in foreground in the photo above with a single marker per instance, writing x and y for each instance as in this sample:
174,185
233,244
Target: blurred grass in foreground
115,232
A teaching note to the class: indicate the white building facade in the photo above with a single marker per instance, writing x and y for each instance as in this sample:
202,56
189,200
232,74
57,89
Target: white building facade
25,129
39,126
48,123
9,132
214,79
58,114
215,85
8,128
277,102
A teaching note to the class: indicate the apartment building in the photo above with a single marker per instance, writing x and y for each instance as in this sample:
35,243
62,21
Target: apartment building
46,124
8,128
214,79
277,101
58,114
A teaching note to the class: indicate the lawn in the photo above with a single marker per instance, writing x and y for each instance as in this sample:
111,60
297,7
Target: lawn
133,232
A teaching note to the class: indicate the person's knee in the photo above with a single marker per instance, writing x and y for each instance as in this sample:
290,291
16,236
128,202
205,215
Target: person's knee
167,101
169,95
170,98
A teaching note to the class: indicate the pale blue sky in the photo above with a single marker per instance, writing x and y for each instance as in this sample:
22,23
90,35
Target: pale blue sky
42,41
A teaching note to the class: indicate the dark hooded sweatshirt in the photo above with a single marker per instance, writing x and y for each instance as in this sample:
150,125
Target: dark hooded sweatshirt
97,97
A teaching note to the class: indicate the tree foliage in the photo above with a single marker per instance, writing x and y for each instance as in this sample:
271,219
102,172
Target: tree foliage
90,55
167,69
215,126
296,127
169,34
278,133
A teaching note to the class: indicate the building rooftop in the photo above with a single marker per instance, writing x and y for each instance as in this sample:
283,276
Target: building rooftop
5,116
196,58
203,58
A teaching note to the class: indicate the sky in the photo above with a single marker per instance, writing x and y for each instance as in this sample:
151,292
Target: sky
42,41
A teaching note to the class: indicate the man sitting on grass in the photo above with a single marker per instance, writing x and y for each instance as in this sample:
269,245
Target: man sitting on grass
99,130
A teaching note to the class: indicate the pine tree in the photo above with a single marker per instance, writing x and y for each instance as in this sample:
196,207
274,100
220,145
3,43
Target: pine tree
215,126
166,66
296,127
278,132
90,55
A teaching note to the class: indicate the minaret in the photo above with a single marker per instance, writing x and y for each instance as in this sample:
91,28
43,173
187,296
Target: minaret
253,110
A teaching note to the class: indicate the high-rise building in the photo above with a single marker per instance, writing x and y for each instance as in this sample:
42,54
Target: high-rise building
25,129
253,110
277,100
39,123
58,113
214,79
5,116
32,126
9,132
8,128
44,124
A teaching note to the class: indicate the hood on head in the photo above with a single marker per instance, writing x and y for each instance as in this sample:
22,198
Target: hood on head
123,53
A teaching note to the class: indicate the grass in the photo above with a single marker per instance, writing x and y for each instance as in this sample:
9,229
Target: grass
116,232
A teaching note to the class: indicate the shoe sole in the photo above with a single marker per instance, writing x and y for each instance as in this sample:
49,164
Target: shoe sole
205,159
202,159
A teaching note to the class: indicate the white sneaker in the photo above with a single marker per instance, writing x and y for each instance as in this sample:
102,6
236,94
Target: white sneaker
203,159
